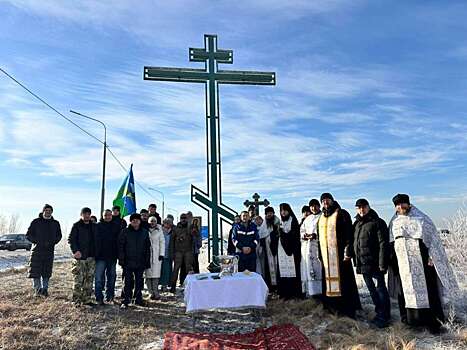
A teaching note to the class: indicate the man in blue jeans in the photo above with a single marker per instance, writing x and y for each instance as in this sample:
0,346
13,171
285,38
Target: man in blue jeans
106,251
371,255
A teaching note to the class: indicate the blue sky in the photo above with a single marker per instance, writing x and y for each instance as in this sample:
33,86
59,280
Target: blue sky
370,101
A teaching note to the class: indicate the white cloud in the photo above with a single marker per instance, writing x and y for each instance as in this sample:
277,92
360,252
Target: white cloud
110,11
260,151
332,83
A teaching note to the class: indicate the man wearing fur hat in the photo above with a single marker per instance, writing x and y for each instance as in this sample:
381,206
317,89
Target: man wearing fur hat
420,273
335,236
44,233
134,255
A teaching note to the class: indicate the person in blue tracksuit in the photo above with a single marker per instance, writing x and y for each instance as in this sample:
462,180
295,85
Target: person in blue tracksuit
245,239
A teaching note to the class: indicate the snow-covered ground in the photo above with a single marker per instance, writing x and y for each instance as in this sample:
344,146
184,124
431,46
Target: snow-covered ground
20,258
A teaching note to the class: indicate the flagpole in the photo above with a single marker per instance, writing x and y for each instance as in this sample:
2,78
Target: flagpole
104,158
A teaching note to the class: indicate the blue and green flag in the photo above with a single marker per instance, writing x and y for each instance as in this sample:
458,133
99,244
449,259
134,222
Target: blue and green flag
126,198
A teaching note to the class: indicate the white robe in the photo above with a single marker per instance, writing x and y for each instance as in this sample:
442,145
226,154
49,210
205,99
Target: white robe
286,262
266,254
310,268
406,231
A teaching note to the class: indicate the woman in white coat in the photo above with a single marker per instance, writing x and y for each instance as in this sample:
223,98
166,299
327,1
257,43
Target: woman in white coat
153,274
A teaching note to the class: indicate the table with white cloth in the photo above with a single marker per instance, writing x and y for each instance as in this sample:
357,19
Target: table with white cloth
238,291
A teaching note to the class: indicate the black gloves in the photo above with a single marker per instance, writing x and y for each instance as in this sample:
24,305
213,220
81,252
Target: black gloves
161,258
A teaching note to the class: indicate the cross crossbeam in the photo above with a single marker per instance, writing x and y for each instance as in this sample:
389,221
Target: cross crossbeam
211,76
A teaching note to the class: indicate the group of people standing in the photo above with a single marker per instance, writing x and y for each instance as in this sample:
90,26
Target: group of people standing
313,257
310,258
147,249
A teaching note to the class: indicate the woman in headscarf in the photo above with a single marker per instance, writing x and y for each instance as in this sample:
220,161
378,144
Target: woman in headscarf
287,249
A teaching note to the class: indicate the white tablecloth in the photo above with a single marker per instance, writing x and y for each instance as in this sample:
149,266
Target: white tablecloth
232,292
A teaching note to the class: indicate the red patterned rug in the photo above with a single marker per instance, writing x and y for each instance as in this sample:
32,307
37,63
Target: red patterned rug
281,337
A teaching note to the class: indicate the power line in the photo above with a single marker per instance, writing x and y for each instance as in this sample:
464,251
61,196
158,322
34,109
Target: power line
48,105
75,124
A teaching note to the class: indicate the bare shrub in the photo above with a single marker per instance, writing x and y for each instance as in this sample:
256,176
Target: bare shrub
10,224
3,224
14,224
455,242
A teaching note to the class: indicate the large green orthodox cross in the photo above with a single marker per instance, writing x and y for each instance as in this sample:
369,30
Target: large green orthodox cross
211,76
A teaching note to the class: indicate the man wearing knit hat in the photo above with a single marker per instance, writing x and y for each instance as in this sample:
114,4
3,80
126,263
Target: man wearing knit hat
44,233
419,263
335,236
134,255
370,254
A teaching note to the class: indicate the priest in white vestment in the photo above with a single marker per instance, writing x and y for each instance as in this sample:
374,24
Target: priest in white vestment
311,267
419,274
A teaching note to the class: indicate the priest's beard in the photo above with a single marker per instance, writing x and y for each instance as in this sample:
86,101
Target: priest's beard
330,210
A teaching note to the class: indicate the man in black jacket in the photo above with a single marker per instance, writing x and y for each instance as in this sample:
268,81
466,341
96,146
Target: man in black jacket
44,232
153,212
134,255
81,240
106,251
370,255
144,213
116,217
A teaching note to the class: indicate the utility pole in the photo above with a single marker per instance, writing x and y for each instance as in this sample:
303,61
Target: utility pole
104,158
163,200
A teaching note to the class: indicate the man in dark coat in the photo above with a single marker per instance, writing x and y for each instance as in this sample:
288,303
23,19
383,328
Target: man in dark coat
335,235
153,212
106,254
245,239
144,213
116,217
81,241
181,249
370,255
44,232
134,255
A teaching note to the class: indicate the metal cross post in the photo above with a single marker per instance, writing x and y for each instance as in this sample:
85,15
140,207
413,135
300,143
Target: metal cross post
211,76
256,203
